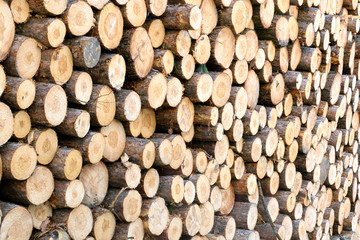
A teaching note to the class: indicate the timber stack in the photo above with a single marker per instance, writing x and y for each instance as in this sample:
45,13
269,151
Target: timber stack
179,119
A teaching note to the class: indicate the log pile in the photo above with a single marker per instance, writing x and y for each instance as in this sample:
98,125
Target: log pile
179,119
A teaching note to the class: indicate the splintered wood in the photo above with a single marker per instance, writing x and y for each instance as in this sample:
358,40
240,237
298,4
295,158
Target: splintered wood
179,119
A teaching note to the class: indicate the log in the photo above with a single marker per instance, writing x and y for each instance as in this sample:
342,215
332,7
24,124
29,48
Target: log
199,87
56,65
76,123
110,70
209,16
67,163
155,215
12,215
132,38
67,194
104,223
245,215
48,31
174,92
19,93
237,15
24,57
163,61
109,27
134,13
152,89
79,88
91,146
222,56
18,161
191,218
78,221
181,117
78,17
22,123
20,10
95,178
124,174
184,67
40,215
28,191
182,17
8,31
134,230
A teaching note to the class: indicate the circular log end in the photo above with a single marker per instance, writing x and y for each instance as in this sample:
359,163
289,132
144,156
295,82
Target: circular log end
158,216
144,55
195,17
61,65
151,182
104,226
185,114
110,26
73,164
22,124
56,32
23,162
40,185
174,92
189,192
79,18
156,32
136,12
28,58
96,148
252,216
17,223
7,30
80,222
74,194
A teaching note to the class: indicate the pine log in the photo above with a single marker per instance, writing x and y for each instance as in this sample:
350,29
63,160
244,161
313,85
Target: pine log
14,216
124,174
48,31
79,88
149,183
95,178
142,57
76,123
18,161
108,26
222,47
8,30
22,123
245,215
36,190
24,57
191,217
78,17
134,230
134,13
78,221
155,215
56,65
238,16
199,87
67,194
43,110
104,223
20,10
40,215
91,146
67,163
163,61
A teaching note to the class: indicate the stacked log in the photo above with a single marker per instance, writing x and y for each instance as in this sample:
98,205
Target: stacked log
179,119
